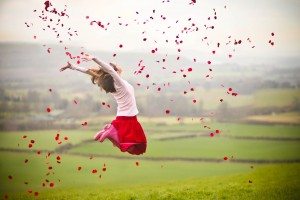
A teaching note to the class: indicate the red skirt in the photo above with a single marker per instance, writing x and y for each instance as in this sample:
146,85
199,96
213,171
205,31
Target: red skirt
131,135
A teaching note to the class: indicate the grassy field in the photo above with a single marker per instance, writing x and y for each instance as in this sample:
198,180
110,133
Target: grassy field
261,182
275,97
172,168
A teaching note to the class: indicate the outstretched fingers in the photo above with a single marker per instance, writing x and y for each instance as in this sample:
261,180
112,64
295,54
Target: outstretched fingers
88,57
65,67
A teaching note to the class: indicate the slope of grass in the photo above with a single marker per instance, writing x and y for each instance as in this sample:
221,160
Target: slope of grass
267,182
119,173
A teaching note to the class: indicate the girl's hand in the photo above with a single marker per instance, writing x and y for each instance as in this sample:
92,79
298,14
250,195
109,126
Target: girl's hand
68,66
88,57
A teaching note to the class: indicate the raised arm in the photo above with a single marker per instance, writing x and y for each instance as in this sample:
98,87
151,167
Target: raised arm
80,69
107,68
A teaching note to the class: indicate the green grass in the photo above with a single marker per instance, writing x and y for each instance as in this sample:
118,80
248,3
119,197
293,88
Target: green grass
268,182
200,147
227,129
120,173
247,130
44,140
159,179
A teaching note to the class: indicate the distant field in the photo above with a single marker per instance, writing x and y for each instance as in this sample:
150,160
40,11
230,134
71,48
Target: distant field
285,118
276,97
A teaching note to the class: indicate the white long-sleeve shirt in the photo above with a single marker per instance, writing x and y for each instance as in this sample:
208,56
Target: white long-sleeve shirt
124,94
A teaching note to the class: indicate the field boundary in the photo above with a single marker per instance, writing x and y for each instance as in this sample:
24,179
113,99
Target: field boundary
214,160
228,136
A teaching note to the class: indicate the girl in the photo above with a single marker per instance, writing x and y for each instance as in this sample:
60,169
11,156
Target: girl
125,131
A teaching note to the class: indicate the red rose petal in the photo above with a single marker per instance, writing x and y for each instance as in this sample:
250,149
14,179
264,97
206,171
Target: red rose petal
84,124
29,145
32,141
167,112
24,136
48,110
10,177
58,158
137,163
194,100
75,101
35,194
51,184
26,161
211,134
217,131
120,45
209,62
225,158
79,168
94,171
66,138
104,169
190,69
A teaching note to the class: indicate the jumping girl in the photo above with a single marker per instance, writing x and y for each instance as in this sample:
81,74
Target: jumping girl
125,131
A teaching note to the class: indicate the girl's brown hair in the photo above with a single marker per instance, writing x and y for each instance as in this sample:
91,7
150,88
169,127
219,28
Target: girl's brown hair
104,80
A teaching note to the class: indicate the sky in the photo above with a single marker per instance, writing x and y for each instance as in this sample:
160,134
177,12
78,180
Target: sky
253,19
